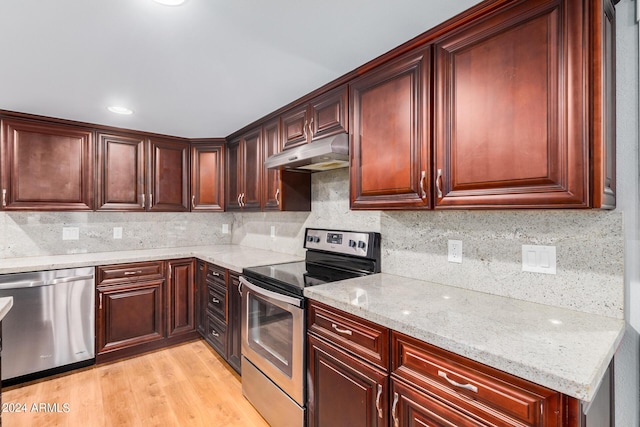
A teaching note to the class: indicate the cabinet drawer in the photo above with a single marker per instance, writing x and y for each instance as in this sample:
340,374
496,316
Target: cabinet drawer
477,388
363,338
216,302
114,274
217,275
216,335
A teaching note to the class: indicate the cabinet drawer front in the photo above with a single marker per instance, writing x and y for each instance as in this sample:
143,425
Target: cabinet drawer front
366,339
216,335
217,275
482,388
216,302
120,273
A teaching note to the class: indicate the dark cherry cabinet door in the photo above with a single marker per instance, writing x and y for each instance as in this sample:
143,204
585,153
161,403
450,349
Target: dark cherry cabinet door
271,177
46,166
233,322
510,110
329,114
344,391
207,177
129,315
121,185
390,144
252,159
168,175
295,127
234,171
181,317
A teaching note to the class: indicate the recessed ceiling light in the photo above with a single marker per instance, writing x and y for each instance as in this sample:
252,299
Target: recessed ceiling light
170,2
120,110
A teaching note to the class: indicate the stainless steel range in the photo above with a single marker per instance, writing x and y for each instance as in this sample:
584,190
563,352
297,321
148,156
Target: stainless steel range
273,318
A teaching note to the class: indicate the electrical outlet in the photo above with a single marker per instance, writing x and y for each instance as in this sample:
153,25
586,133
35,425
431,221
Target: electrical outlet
455,251
539,259
117,232
225,228
70,233
273,231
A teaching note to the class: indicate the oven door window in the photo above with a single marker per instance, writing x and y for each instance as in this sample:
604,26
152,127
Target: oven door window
270,333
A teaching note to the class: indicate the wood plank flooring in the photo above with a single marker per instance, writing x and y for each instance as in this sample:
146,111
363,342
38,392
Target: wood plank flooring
184,385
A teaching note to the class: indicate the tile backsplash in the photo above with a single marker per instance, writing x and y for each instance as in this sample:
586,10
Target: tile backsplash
589,244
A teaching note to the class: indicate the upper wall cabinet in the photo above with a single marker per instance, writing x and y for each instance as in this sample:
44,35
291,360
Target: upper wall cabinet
46,166
524,112
138,174
168,175
390,143
325,115
121,185
282,190
244,171
207,176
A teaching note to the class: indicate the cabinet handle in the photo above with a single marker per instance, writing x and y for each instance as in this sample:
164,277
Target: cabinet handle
240,288
193,202
378,407
215,334
470,387
342,331
170,271
304,130
129,273
150,200
215,300
438,183
143,203
4,197
423,178
215,274
238,200
242,199
100,297
311,128
278,197
394,415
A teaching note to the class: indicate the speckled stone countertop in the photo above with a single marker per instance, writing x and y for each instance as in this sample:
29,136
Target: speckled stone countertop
565,350
5,305
233,257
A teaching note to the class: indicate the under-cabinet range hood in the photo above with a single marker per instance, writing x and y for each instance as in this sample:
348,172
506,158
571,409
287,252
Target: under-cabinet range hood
331,152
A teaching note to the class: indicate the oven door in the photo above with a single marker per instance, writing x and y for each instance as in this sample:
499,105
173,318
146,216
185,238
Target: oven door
273,337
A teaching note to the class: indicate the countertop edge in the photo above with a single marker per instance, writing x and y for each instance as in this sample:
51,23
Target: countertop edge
6,303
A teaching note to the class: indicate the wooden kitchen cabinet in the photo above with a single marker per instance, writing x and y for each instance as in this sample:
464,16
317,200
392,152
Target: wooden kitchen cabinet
214,307
181,304
390,134
121,172
323,116
207,176
129,309
524,113
168,175
244,172
234,343
46,166
282,190
201,297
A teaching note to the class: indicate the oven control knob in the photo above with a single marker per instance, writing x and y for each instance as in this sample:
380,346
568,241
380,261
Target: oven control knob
361,244
316,239
352,243
309,238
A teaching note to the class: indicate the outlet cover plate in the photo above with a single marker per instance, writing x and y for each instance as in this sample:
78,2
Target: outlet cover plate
455,251
117,232
539,259
225,228
70,233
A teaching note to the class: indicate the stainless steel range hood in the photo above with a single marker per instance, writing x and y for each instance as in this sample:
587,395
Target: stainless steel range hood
325,154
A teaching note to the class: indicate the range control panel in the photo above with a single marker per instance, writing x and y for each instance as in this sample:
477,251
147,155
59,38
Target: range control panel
356,243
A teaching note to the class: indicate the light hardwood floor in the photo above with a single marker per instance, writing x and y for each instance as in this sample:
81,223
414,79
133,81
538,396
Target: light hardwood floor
184,385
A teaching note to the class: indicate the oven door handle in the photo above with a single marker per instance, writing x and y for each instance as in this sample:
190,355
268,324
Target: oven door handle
297,302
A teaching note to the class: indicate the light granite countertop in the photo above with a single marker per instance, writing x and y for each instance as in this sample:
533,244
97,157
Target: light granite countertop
565,350
233,257
5,305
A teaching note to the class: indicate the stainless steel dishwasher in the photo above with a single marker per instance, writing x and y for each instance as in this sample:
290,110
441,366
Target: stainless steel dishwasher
50,328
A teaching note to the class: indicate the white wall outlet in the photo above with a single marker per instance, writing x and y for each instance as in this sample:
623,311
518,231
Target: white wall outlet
273,231
455,251
539,259
117,232
70,233
225,228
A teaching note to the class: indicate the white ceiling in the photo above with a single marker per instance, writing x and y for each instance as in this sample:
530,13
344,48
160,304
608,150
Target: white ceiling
204,69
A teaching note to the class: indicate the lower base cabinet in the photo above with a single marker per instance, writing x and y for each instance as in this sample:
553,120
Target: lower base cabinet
360,374
234,339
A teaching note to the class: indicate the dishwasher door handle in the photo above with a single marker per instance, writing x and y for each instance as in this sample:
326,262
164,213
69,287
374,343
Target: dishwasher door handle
69,279
21,285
